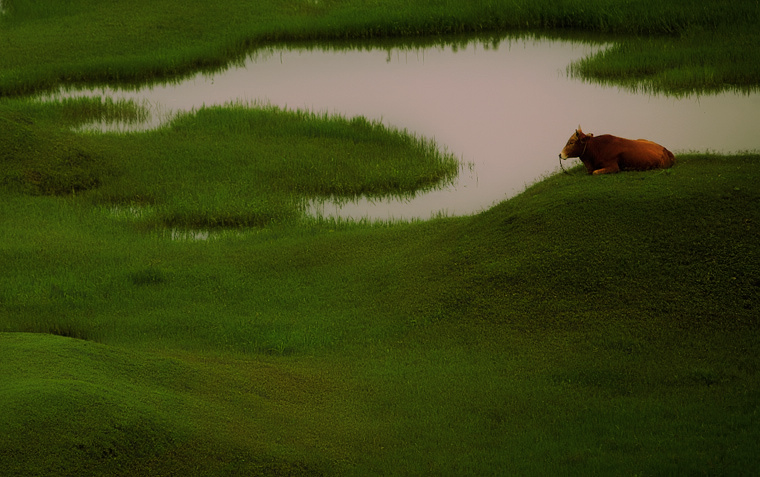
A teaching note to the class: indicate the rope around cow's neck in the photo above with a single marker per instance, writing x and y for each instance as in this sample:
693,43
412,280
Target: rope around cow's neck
560,159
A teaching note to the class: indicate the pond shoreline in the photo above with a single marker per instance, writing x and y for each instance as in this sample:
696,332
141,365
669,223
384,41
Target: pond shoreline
494,104
193,40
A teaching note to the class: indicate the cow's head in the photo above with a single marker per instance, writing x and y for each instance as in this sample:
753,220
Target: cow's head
576,145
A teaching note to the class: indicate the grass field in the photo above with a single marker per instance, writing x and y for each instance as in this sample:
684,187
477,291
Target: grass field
569,330
591,325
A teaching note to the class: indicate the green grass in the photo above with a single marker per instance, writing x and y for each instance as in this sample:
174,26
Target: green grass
232,166
135,41
98,410
585,326
591,325
697,61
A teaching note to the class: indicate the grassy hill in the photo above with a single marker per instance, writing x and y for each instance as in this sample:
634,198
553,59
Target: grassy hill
589,325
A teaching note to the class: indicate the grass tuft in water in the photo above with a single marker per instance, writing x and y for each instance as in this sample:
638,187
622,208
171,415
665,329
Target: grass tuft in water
697,61
218,167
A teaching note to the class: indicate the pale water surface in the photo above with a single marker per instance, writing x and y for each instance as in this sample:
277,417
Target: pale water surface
508,110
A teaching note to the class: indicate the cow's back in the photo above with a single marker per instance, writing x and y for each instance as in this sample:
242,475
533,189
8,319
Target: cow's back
639,154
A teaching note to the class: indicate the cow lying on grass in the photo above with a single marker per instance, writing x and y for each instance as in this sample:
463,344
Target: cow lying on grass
607,154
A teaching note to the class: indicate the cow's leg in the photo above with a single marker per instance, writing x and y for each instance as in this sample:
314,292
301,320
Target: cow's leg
611,169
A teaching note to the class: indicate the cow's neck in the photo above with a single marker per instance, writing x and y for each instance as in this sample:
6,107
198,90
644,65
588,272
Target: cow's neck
588,160
585,145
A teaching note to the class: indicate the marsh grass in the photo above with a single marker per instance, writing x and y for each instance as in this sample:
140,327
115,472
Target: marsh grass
242,167
139,41
698,61
104,110
218,167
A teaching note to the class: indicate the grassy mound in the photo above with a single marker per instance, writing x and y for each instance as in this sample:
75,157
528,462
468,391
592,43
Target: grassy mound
44,162
675,244
588,325
72,407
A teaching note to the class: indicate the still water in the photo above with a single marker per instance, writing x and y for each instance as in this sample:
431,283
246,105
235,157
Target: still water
507,108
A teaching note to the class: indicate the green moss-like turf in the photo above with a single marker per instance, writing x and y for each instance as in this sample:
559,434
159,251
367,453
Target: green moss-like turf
591,324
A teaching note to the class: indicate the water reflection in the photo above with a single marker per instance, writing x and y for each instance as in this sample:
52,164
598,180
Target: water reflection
506,107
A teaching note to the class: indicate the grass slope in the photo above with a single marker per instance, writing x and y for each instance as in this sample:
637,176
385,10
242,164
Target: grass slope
589,325
72,407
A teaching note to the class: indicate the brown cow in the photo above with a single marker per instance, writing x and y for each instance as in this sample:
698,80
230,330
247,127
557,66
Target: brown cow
608,154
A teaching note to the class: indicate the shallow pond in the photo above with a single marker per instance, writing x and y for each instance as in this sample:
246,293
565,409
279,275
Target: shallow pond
505,107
